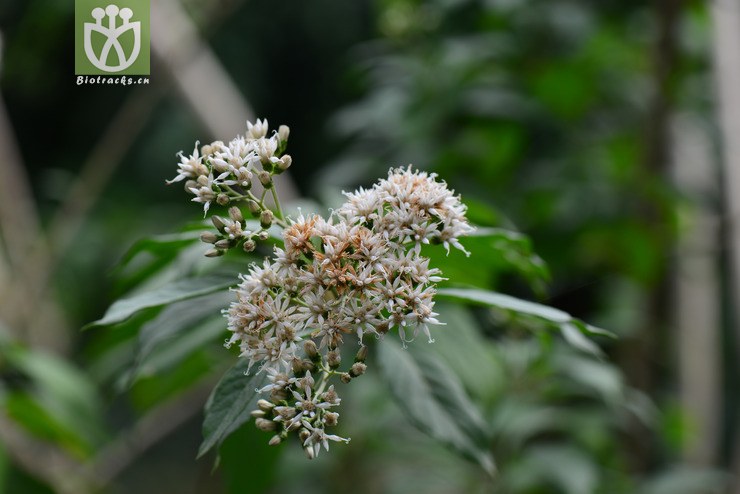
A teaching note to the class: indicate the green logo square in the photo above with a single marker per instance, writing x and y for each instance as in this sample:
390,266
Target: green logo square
112,37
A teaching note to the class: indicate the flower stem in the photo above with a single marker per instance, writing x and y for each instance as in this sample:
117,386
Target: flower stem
322,383
279,211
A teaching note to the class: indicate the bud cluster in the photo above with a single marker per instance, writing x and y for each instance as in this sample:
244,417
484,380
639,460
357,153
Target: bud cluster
225,174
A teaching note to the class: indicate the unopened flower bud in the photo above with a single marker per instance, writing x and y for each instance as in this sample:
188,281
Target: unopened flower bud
190,184
265,405
266,218
265,179
224,244
284,163
222,199
249,246
311,350
254,208
275,440
333,358
257,413
214,253
209,237
357,369
220,166
207,149
361,354
331,419
202,170
304,434
278,395
265,425
236,214
263,235
202,181
218,223
297,366
345,377
283,132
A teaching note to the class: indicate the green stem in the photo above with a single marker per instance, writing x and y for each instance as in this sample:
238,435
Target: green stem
279,211
258,201
322,383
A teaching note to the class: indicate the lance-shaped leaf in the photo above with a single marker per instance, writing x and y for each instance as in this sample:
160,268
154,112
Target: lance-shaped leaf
229,405
435,401
179,330
167,245
573,330
174,291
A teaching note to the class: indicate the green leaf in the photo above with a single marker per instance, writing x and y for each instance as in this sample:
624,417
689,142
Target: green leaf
160,244
572,329
460,342
495,252
435,402
229,405
506,302
178,330
176,351
260,473
563,466
599,376
578,340
515,249
154,258
60,403
174,291
197,367
27,412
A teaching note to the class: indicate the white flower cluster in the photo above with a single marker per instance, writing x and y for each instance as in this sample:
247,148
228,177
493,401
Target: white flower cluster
359,272
224,172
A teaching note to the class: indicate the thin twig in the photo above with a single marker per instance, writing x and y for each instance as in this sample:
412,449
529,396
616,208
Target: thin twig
21,232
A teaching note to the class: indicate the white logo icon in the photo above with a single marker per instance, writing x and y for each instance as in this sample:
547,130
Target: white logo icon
112,33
